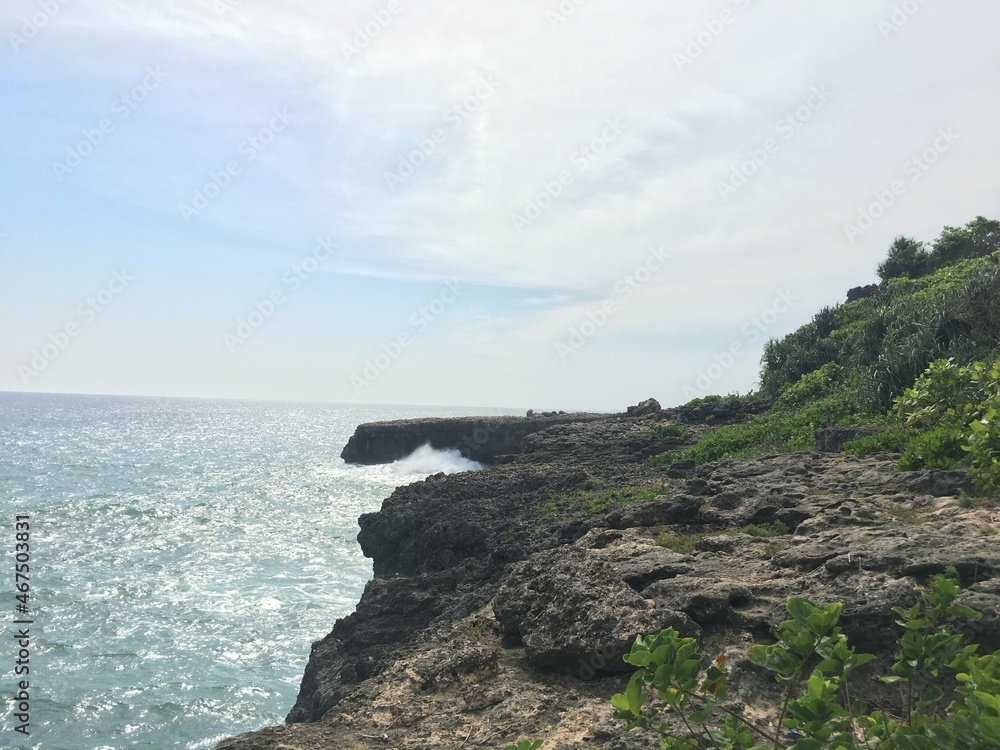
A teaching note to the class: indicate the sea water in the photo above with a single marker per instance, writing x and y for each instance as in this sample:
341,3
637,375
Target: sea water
184,555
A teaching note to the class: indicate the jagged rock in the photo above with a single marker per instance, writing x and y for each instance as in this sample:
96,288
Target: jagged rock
573,612
861,292
677,509
717,411
461,559
645,408
707,603
477,438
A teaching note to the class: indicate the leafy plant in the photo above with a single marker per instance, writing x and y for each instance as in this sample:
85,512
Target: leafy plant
892,440
525,745
669,430
673,695
939,448
964,402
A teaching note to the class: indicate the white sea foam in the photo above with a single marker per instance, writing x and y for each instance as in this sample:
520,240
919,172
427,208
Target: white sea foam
426,460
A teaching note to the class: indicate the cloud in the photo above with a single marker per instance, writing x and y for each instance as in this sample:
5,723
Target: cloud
547,154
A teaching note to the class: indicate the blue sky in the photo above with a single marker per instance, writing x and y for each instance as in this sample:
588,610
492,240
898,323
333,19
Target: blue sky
551,205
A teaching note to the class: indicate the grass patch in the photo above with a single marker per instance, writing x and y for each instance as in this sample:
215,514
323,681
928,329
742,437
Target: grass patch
905,514
478,627
766,530
590,501
970,502
773,548
680,543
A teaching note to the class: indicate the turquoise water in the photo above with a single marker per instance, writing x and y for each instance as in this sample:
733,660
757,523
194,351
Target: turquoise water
184,556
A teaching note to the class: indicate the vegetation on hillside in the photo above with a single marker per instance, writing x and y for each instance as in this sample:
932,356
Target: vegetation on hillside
918,354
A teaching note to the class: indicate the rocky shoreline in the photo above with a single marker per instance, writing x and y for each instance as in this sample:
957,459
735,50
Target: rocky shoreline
503,599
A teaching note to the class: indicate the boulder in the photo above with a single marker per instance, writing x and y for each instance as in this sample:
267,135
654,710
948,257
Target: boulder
645,408
575,614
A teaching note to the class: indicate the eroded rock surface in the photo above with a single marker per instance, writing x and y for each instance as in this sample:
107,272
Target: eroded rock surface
504,599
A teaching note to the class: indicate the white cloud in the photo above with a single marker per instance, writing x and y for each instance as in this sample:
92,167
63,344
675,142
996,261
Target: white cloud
696,89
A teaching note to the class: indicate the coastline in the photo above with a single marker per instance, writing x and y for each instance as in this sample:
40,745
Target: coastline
503,599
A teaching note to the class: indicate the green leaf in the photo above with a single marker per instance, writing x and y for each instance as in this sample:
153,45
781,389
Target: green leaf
960,610
619,701
634,694
933,695
800,609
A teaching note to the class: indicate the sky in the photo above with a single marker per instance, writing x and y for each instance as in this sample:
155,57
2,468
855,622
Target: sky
546,204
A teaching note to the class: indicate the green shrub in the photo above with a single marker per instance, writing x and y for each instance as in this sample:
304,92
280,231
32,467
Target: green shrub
892,440
662,460
939,448
670,430
815,663
963,402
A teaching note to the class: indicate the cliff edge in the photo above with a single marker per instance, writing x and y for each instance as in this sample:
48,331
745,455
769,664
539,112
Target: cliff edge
480,439
504,599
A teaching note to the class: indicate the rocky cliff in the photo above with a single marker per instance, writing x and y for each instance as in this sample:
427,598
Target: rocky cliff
504,599
478,438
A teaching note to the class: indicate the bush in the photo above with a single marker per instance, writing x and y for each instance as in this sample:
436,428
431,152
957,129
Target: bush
962,404
816,664
939,448
979,237
892,440
670,430
906,257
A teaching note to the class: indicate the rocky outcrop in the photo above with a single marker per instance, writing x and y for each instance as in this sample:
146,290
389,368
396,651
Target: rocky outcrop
573,611
504,599
477,438
861,292
646,408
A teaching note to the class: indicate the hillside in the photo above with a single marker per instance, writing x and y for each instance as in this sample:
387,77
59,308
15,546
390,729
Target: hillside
917,355
504,600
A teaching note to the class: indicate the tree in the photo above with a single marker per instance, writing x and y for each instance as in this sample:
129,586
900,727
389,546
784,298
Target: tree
979,237
906,257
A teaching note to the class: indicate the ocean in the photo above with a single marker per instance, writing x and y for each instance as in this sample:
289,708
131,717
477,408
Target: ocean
183,556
